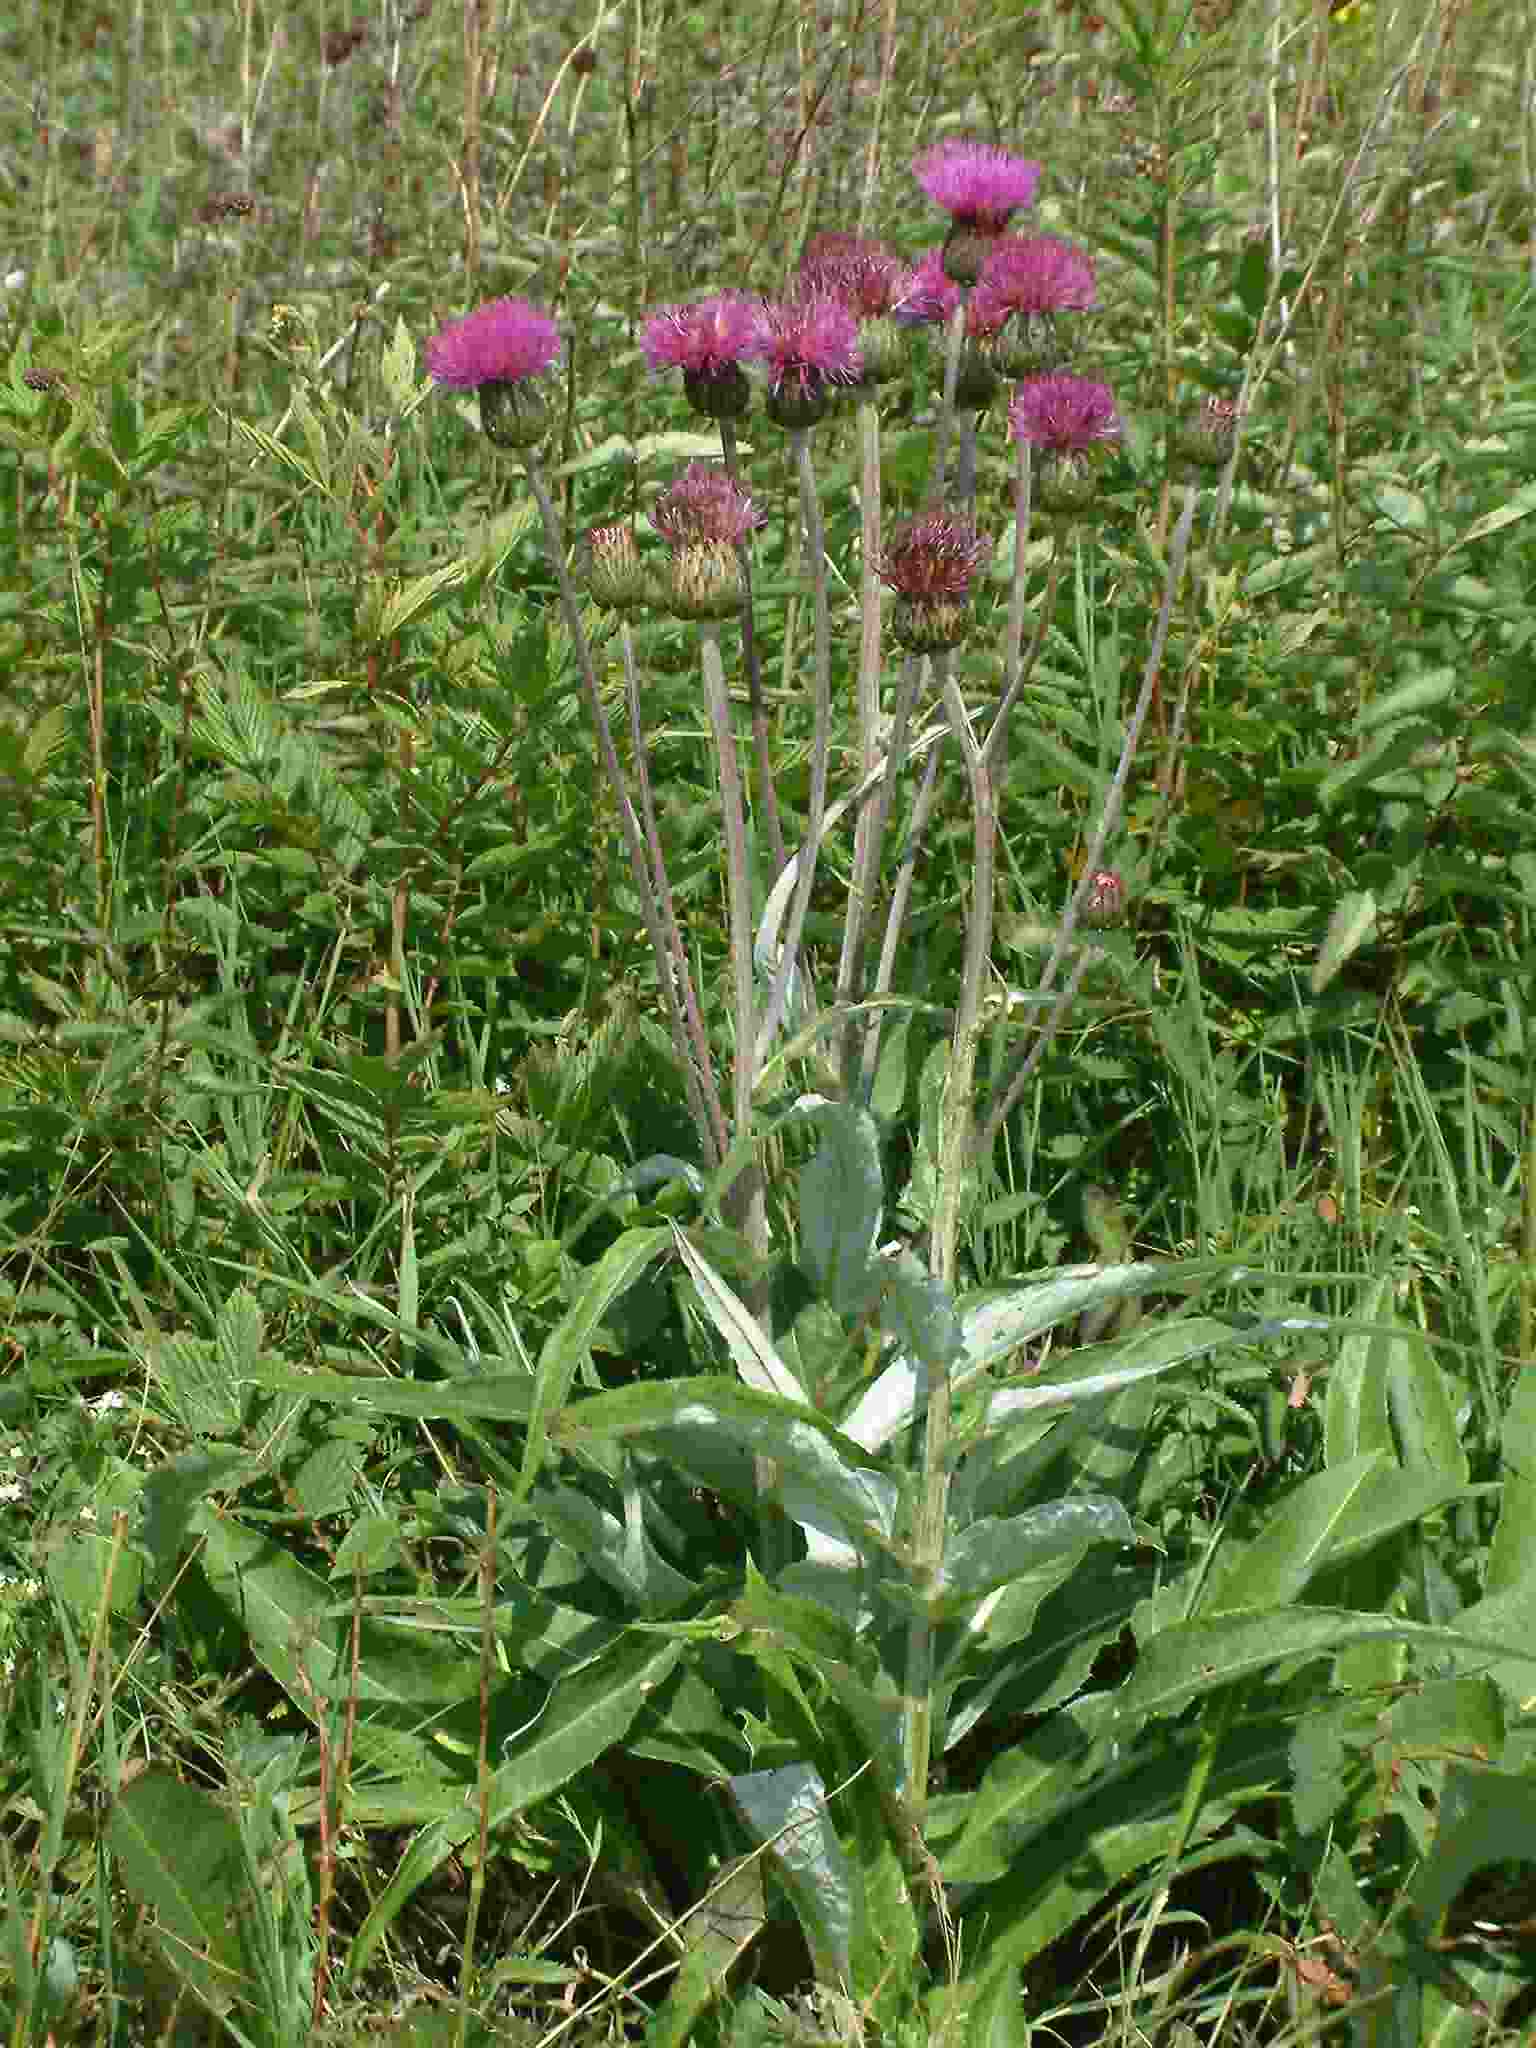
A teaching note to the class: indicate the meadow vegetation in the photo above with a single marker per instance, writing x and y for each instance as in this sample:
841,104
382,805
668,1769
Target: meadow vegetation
767,1098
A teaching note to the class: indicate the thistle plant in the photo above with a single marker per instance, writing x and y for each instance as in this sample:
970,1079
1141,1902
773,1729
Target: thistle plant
1008,304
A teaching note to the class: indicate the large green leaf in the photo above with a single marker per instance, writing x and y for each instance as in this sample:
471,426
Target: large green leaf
297,1625
1074,1843
991,1553
715,1934
841,1191
582,1717
786,1810
1513,1555
179,1851
692,1421
1191,1658
569,1342
757,1358
1328,1519
1355,1418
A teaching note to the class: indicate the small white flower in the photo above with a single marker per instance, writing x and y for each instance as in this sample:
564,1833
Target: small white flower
13,1489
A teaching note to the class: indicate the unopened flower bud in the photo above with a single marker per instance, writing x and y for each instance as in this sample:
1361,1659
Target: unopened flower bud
613,572
1104,904
719,394
513,415
883,347
1204,441
976,384
1065,484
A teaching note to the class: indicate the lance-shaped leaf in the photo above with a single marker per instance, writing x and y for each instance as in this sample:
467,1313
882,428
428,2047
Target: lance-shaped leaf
841,1192
757,1359
995,1325
1328,1519
569,1342
694,1421
992,1553
1190,1658
787,1810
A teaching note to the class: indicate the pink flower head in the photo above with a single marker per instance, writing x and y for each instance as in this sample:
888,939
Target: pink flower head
1063,415
499,343
1033,274
931,558
811,342
863,273
705,504
928,295
977,184
707,339
811,338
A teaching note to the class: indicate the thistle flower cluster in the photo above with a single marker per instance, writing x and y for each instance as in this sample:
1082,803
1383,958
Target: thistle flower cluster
811,346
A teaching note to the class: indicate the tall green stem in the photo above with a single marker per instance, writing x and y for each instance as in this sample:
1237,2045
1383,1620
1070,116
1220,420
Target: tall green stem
821,742
629,824
1013,1082
954,1149
748,1194
870,829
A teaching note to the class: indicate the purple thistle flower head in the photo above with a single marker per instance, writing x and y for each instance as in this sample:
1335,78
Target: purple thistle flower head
710,337
1063,415
929,563
810,341
933,557
1032,274
976,183
708,341
502,342
928,295
705,505
860,271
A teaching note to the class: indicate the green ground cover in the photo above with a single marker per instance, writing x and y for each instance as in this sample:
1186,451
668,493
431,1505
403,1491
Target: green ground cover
579,1456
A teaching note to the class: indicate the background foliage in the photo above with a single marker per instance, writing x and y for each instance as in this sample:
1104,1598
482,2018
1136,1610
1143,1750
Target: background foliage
445,1587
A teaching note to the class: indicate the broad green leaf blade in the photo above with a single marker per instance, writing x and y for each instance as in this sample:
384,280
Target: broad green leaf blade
1328,1519
823,1643
841,1194
998,1323
1100,1833
689,1420
1190,1658
500,1398
1422,1409
569,1342
179,1851
583,1716
787,1811
1150,1349
757,1359
1355,1418
296,1625
991,1553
